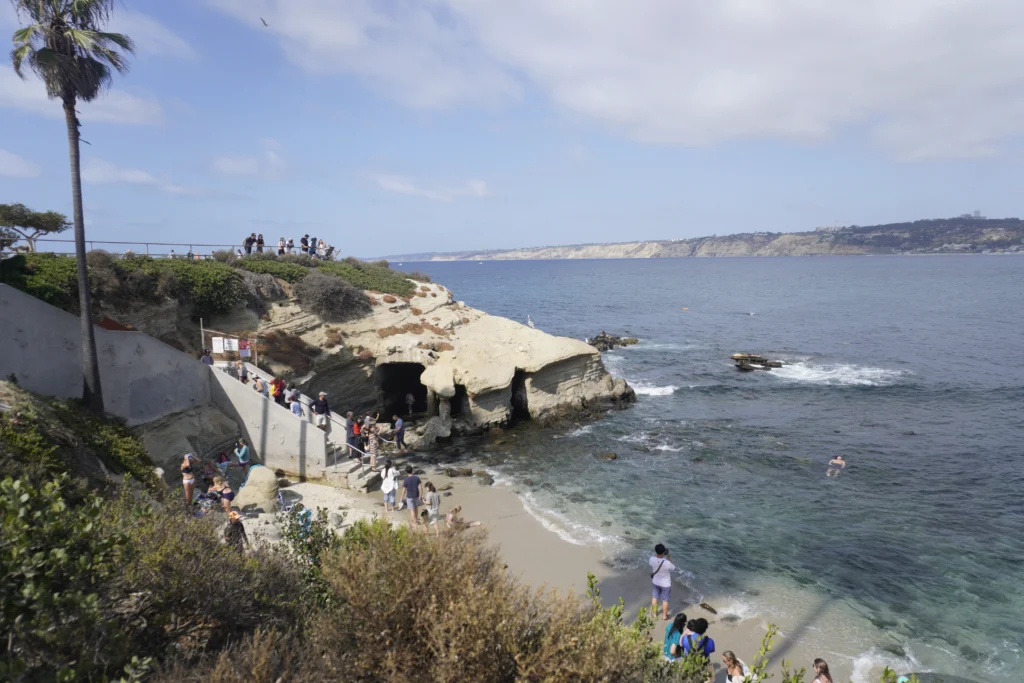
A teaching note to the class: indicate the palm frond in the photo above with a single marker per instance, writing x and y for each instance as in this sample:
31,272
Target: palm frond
18,55
26,34
92,77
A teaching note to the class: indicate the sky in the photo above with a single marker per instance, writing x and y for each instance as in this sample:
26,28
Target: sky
400,126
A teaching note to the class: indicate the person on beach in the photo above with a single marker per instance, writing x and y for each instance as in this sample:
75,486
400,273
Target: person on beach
454,522
389,485
223,489
697,643
399,433
411,494
321,411
835,466
242,456
661,580
234,533
259,244
372,443
209,473
188,477
735,670
223,462
673,633
821,672
433,508
206,358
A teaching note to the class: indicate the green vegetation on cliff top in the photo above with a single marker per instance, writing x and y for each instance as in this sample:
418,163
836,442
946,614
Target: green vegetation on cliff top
210,287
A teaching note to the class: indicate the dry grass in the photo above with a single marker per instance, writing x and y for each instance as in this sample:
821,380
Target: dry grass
443,346
373,300
332,337
390,299
388,331
424,288
406,299
365,355
422,294
439,331
416,311
436,319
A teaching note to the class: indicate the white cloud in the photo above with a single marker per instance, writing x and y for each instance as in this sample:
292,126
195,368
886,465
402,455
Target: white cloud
402,185
113,107
14,166
400,48
150,36
100,172
269,164
923,79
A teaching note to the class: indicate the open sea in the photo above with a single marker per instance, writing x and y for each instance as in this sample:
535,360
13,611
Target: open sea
912,368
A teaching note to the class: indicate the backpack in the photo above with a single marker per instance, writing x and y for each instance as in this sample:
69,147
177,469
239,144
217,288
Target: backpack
698,648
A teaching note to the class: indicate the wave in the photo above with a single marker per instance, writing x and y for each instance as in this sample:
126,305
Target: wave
837,374
566,529
867,665
646,389
670,449
580,431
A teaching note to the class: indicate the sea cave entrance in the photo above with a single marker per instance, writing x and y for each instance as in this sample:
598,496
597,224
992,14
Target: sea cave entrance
394,382
460,402
520,401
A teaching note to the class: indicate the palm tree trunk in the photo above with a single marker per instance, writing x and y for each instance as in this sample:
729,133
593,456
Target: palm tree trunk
92,394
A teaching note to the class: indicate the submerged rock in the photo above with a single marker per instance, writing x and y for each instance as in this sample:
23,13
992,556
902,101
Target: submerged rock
608,456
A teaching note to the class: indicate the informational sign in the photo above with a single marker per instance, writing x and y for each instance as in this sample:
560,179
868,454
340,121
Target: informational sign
230,344
218,344
243,348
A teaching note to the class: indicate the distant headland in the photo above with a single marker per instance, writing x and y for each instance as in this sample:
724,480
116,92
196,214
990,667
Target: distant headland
967,234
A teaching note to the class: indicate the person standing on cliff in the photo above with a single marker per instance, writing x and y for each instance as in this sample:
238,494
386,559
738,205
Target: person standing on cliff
661,580
248,242
321,411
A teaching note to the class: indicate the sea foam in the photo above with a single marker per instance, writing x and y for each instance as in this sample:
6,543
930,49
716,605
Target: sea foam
836,374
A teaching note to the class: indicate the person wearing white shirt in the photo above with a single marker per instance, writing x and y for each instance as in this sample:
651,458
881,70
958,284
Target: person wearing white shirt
389,485
661,580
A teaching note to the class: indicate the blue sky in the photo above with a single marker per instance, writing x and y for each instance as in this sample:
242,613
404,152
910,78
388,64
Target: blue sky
401,126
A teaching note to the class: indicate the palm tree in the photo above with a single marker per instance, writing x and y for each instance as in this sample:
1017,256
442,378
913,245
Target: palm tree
64,45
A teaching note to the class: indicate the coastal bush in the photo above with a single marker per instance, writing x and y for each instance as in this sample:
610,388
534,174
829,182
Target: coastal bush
224,255
418,276
289,272
332,299
368,276
211,287
299,259
50,277
332,337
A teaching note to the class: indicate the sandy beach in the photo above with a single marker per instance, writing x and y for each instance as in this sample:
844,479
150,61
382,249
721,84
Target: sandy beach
540,557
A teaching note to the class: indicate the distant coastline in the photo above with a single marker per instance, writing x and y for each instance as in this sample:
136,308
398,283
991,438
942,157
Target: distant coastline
962,235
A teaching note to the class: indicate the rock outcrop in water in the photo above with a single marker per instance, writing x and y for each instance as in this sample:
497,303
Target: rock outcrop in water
607,342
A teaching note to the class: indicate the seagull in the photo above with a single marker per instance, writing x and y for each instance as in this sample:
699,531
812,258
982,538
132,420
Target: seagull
264,21
529,321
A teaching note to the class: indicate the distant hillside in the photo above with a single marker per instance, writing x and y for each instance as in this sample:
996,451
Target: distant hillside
961,235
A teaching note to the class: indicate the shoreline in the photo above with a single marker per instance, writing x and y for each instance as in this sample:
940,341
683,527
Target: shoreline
544,560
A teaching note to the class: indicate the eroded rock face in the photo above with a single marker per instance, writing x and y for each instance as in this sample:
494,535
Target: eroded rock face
259,492
467,369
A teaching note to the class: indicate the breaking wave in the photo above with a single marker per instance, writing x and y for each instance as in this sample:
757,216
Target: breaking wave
645,389
836,374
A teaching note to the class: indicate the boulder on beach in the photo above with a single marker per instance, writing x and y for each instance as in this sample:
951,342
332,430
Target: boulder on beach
259,491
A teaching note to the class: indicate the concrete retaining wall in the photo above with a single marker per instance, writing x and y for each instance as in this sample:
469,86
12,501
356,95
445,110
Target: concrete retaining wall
277,438
143,379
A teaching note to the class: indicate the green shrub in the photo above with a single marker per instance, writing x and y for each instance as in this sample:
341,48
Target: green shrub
330,298
300,259
419,276
289,272
211,287
50,277
224,255
369,277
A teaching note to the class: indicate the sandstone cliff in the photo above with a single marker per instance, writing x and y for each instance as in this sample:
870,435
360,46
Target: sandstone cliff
955,235
467,368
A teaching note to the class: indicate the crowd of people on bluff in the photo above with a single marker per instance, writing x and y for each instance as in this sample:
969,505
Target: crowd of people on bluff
689,637
317,248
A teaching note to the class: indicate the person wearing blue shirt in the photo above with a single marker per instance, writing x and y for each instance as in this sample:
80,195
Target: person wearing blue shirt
242,454
697,643
399,433
673,632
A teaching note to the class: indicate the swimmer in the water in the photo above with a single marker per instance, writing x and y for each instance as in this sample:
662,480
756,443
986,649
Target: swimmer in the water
835,466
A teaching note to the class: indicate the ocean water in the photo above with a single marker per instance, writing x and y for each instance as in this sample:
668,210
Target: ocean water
911,368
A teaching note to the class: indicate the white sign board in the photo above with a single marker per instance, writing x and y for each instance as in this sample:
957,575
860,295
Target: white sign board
218,344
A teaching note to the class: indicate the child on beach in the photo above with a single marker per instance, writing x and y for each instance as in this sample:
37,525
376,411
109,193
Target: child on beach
454,522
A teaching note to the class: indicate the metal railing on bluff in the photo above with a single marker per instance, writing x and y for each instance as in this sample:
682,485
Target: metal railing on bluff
159,249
